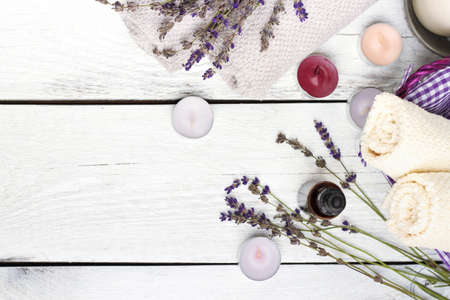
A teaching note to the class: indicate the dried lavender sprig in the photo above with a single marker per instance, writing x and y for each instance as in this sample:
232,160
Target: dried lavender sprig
228,45
290,229
439,274
321,163
175,11
257,188
267,31
244,215
350,177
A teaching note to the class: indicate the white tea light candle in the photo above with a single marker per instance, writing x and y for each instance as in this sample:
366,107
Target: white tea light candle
359,105
192,117
259,258
434,15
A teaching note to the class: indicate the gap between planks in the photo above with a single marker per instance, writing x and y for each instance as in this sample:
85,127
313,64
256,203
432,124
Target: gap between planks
156,102
169,264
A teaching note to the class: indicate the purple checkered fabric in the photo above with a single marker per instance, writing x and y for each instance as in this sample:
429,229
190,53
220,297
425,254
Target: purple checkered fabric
429,87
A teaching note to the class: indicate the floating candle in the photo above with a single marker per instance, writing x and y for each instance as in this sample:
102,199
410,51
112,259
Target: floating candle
434,15
259,258
381,44
323,199
318,76
192,117
359,105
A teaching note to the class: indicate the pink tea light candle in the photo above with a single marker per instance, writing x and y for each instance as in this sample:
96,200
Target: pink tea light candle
259,258
381,44
359,105
192,117
317,76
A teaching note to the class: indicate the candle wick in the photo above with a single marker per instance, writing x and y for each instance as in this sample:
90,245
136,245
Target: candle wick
317,70
381,39
258,254
191,121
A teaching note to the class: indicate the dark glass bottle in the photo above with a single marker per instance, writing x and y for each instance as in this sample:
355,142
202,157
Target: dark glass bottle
324,199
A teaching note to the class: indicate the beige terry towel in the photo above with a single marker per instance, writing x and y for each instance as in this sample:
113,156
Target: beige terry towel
419,206
400,137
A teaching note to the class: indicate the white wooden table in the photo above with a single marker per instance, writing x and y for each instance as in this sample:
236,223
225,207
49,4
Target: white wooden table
104,201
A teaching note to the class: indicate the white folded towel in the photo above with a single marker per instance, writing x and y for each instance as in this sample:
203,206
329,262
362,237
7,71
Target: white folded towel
250,71
399,138
419,205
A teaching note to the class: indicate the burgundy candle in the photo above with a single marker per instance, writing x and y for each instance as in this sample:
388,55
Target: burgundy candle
318,76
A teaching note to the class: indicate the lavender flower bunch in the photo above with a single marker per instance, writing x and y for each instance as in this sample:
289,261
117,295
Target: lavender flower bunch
303,229
217,37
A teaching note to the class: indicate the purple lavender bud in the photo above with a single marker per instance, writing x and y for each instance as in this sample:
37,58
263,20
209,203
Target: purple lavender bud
300,11
255,181
208,74
363,161
229,189
244,180
234,26
345,223
231,201
350,177
336,154
232,45
261,2
266,190
214,33
209,46
325,136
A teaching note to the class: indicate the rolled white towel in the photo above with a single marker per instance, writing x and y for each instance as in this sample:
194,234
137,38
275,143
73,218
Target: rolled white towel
419,206
399,138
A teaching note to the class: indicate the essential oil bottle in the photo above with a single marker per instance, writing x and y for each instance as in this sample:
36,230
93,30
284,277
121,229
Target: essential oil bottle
323,199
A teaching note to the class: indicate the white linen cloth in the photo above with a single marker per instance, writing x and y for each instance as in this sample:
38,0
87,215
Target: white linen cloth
250,71
399,137
419,206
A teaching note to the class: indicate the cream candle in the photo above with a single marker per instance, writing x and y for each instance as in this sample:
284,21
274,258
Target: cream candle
359,105
192,117
381,44
434,15
259,258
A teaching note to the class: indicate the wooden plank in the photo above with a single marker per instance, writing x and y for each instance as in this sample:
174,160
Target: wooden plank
190,282
50,51
117,184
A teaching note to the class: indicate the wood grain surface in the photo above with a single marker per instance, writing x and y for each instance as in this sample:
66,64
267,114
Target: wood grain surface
81,50
117,184
191,282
